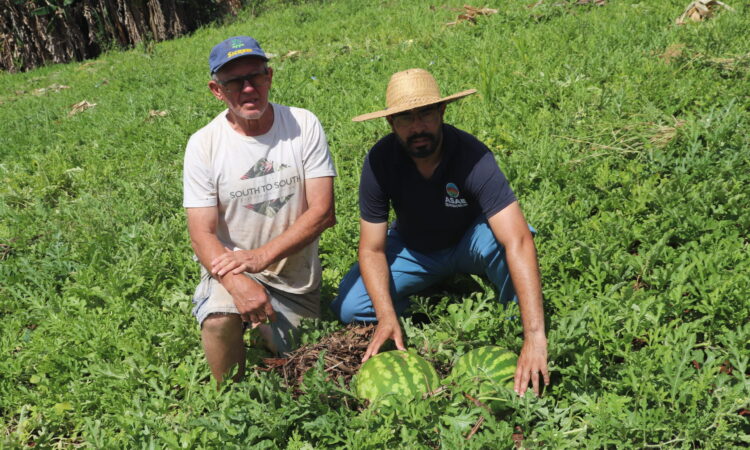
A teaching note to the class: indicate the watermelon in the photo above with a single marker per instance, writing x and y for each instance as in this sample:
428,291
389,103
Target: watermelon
485,371
393,377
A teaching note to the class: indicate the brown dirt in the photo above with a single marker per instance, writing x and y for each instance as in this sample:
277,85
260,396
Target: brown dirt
342,355
672,53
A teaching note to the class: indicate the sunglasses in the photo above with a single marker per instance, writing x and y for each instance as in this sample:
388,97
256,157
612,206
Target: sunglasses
258,79
426,115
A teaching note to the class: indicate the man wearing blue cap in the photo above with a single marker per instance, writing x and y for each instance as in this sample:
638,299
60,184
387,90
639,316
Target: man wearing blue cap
258,190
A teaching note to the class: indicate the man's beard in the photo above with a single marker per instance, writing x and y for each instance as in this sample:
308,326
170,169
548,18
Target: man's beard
255,115
423,150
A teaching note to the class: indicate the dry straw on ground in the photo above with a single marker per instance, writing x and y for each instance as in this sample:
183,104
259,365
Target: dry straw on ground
672,53
341,353
52,88
292,54
470,14
731,64
579,2
80,107
701,10
662,135
154,114
627,139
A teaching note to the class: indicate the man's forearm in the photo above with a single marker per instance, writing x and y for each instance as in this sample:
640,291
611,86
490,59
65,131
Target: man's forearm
375,273
373,266
207,247
524,271
308,227
319,215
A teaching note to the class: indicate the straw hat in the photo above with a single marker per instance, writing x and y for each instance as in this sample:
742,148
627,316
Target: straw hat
412,88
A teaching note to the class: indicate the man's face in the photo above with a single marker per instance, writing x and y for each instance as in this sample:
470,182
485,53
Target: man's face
243,84
419,130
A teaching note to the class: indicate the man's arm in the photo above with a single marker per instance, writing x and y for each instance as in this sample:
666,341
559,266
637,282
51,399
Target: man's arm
376,275
511,230
320,214
249,296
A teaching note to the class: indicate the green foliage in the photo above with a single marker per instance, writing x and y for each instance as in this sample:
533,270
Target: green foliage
633,167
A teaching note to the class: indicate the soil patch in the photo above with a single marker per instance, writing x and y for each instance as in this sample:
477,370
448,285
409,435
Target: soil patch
341,352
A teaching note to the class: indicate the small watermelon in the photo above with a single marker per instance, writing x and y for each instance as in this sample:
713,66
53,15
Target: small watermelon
486,370
393,377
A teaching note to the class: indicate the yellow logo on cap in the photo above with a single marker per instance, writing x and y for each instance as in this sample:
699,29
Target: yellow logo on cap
238,52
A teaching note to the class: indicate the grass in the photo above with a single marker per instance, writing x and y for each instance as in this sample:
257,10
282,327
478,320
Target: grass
634,167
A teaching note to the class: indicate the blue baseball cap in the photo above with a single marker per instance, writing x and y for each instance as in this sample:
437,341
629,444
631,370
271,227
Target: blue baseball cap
233,48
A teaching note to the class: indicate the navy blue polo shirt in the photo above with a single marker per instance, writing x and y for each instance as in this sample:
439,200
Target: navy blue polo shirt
433,214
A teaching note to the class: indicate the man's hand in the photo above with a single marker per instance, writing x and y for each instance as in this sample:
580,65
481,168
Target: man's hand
386,329
238,261
532,362
251,299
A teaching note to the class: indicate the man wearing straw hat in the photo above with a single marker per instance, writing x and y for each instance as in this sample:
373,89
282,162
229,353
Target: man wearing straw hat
258,190
455,213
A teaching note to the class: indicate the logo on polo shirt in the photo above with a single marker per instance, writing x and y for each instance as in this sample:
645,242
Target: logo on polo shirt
453,197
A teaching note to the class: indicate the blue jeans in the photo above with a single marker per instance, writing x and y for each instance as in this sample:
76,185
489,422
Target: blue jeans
411,271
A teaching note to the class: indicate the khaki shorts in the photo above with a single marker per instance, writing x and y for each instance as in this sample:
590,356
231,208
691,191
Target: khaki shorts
212,298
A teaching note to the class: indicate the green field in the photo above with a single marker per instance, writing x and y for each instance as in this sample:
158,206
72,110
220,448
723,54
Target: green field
625,137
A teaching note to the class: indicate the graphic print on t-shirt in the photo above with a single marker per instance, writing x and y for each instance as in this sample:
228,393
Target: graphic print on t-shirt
453,197
262,168
270,207
266,185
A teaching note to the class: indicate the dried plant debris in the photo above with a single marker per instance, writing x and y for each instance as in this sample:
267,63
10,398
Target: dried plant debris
154,113
80,107
662,135
629,139
292,54
578,2
672,53
52,88
470,14
730,64
701,10
739,64
5,250
341,352
634,136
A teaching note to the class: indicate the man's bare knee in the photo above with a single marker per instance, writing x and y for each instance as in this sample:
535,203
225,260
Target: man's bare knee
222,341
222,325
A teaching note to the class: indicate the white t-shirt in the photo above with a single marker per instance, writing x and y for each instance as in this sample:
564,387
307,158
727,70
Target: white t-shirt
258,184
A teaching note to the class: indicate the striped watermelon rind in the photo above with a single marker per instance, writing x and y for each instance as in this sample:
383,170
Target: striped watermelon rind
391,378
484,371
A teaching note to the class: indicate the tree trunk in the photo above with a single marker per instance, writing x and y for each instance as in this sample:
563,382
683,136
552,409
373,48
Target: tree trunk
38,32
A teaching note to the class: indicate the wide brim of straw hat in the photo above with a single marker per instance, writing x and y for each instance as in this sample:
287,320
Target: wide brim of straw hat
410,89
